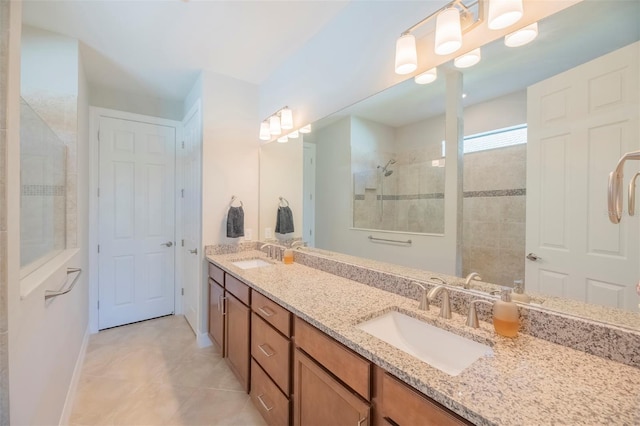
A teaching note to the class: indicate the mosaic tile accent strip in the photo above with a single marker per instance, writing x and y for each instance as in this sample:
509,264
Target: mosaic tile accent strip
496,193
43,190
432,196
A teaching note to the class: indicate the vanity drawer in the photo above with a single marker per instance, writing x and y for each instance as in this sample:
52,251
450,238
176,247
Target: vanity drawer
272,351
267,398
348,366
271,312
216,274
402,405
237,288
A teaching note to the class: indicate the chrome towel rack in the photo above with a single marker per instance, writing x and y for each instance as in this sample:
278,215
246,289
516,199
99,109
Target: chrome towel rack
614,195
283,202
234,198
372,238
48,294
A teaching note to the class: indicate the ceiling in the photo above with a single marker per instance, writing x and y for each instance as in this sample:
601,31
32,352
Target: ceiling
157,48
571,37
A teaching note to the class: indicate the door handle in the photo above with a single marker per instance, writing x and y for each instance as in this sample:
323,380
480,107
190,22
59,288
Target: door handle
168,244
533,256
194,251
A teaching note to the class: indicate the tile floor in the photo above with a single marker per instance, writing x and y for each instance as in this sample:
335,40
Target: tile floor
153,373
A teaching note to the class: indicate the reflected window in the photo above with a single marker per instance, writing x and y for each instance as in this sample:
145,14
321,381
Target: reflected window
500,138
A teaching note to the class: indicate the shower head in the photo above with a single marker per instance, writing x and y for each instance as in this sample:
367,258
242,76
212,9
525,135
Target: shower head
388,173
384,169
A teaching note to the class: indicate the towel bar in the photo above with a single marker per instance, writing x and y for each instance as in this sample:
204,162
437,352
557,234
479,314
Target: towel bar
372,238
48,294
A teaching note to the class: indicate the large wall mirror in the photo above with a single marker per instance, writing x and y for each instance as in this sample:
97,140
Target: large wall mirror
544,124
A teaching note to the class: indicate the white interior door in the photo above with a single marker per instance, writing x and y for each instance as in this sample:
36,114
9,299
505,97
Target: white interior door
580,123
309,194
136,221
190,249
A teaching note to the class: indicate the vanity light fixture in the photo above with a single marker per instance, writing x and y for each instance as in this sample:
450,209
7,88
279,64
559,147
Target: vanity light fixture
522,36
294,135
274,125
265,133
452,21
306,129
503,13
427,77
286,118
467,60
283,139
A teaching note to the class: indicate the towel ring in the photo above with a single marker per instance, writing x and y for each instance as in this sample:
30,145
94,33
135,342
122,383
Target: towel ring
234,198
284,200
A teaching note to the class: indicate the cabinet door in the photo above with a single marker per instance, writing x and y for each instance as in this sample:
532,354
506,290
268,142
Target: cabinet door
321,400
237,338
216,314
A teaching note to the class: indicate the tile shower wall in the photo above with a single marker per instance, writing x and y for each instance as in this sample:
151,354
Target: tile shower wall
43,188
494,210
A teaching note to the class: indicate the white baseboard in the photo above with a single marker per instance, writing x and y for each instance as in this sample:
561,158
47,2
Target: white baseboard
75,379
203,340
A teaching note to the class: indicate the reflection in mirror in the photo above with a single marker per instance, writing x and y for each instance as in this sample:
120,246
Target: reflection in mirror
546,196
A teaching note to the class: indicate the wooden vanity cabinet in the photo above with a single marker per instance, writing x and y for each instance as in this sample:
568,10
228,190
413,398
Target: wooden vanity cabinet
216,306
331,384
238,328
396,403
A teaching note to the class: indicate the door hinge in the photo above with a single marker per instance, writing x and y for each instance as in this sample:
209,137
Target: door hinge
98,192
98,135
182,292
98,304
182,243
98,248
182,144
182,193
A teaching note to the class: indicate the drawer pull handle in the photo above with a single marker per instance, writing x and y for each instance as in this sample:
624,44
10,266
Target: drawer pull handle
266,311
264,351
263,403
361,421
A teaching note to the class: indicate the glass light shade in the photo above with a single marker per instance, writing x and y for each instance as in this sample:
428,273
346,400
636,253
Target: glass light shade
274,125
283,139
306,129
427,77
503,13
293,135
265,134
286,119
406,54
468,59
448,32
522,36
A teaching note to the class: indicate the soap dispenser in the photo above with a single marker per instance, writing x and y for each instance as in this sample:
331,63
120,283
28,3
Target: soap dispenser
518,294
506,319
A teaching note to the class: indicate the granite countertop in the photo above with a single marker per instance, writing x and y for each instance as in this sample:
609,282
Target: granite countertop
526,381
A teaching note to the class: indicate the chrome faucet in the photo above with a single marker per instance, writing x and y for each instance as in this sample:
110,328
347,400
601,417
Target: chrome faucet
472,316
472,276
298,243
273,251
440,280
269,248
424,299
445,307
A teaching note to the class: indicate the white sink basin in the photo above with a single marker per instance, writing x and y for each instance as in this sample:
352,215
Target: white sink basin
441,349
251,263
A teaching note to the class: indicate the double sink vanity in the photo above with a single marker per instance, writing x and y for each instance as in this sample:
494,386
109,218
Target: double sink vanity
316,345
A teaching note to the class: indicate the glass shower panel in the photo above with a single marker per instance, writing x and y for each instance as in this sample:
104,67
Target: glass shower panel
43,189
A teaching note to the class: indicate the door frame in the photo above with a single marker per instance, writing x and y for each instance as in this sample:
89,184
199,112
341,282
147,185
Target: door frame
94,162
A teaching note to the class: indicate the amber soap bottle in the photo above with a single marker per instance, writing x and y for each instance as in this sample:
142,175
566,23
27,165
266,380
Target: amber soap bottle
506,319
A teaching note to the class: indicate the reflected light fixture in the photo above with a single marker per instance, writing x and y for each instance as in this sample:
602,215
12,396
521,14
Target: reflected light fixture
503,13
286,118
265,133
448,32
283,139
274,125
306,129
406,54
427,77
294,135
452,21
522,36
467,60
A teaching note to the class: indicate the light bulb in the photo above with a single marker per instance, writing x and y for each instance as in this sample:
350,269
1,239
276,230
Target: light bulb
265,134
448,32
293,135
427,77
306,129
522,36
468,59
286,119
406,54
503,13
274,125
283,139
